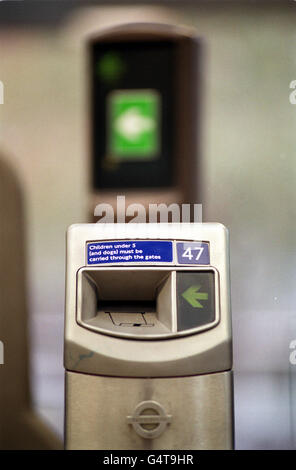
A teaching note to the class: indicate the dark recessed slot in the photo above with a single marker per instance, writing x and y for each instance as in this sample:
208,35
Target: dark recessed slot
134,301
127,306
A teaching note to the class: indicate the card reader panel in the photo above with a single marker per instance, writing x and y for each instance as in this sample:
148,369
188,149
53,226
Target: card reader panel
147,303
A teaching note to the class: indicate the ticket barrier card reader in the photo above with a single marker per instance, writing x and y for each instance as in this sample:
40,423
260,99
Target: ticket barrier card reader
148,351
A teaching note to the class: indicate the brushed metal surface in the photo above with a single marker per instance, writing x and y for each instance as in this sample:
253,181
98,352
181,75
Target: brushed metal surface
95,353
99,410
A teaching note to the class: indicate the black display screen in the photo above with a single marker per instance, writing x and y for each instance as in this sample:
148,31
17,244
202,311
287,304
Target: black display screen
133,127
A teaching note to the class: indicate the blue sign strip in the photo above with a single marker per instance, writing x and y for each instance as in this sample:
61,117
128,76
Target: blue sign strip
127,251
193,253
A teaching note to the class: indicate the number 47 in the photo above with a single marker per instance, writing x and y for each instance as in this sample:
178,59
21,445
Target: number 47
188,253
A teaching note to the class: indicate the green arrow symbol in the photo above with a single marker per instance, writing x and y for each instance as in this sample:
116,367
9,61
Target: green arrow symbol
193,296
132,124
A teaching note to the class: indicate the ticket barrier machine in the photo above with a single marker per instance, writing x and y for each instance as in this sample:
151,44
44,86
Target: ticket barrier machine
145,94
148,346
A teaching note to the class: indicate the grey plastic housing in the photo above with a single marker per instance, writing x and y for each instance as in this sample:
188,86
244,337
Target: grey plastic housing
168,353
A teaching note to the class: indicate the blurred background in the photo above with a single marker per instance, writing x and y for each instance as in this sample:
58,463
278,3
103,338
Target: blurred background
249,175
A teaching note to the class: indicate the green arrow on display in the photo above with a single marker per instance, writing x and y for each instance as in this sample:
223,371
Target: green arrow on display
134,124
192,296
